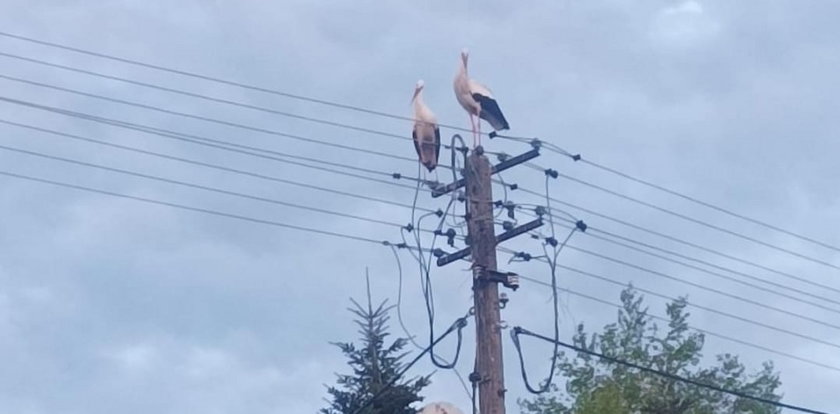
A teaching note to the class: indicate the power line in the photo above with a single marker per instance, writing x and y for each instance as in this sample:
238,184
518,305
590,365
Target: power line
458,326
213,143
210,165
680,255
552,147
701,307
194,209
197,186
706,288
223,81
203,118
577,157
705,332
204,97
669,237
591,230
521,331
732,279
699,222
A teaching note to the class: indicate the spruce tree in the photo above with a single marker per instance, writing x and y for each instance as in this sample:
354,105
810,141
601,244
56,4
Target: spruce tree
374,365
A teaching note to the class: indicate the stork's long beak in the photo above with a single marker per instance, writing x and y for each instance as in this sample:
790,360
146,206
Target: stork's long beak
416,92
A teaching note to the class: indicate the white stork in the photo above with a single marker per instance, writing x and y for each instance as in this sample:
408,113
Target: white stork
426,133
440,408
478,101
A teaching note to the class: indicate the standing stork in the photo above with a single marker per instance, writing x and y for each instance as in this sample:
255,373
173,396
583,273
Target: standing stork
478,101
426,133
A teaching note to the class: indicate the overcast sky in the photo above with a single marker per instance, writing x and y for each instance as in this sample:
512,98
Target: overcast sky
110,305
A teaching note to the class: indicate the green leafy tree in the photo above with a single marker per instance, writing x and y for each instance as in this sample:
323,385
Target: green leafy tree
594,386
374,365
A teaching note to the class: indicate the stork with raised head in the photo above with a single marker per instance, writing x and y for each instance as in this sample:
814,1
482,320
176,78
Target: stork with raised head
426,133
478,101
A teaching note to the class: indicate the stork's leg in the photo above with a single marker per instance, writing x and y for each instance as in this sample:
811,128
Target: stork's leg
479,130
472,125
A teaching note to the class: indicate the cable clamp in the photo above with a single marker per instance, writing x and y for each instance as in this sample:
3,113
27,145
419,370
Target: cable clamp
576,157
552,173
507,225
514,186
540,210
409,227
502,157
581,226
552,241
396,175
536,143
438,253
492,134
439,213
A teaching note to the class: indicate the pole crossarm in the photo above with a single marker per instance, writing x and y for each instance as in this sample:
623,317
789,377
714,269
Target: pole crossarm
504,165
460,254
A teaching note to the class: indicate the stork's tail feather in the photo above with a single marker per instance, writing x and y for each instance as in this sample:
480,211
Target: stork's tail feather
491,112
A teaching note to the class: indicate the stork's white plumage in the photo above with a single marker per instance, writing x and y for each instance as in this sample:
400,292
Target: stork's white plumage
426,133
478,101
440,408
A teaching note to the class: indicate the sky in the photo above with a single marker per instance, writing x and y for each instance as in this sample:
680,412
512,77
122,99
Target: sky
113,305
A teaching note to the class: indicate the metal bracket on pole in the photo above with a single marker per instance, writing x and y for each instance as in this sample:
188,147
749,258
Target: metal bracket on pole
460,254
504,165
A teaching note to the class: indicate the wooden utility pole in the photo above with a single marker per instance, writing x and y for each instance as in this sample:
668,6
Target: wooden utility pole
489,370
480,223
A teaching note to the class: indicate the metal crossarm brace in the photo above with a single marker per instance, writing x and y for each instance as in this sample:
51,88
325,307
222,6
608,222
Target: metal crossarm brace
504,165
460,254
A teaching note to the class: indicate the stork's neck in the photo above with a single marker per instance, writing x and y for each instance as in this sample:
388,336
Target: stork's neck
419,105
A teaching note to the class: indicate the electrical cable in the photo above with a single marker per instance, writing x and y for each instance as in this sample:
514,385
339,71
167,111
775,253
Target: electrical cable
577,157
672,238
706,288
552,147
701,307
703,331
197,186
700,222
202,96
458,326
709,272
204,118
210,165
516,331
191,208
408,334
212,143
222,81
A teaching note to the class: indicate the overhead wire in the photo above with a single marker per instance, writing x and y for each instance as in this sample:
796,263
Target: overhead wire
670,237
216,144
699,222
210,165
197,186
705,288
457,327
202,118
218,80
516,331
709,272
701,307
408,334
192,208
703,331
553,147
729,212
